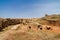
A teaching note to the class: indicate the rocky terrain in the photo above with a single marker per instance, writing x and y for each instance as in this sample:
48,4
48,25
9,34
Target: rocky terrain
45,28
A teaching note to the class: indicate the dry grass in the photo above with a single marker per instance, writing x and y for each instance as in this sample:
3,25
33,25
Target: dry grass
30,35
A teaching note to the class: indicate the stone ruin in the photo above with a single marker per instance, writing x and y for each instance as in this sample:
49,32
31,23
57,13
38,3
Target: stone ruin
34,27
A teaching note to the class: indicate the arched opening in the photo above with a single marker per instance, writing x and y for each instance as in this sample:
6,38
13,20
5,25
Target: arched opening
48,28
39,26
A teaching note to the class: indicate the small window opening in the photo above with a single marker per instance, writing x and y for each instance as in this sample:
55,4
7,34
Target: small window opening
29,27
40,28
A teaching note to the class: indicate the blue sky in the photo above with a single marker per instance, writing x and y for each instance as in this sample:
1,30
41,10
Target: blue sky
28,8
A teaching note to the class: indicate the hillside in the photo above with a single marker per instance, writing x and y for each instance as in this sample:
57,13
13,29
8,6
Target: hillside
45,28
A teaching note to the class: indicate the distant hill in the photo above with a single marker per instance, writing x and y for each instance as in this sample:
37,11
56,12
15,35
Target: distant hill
54,16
